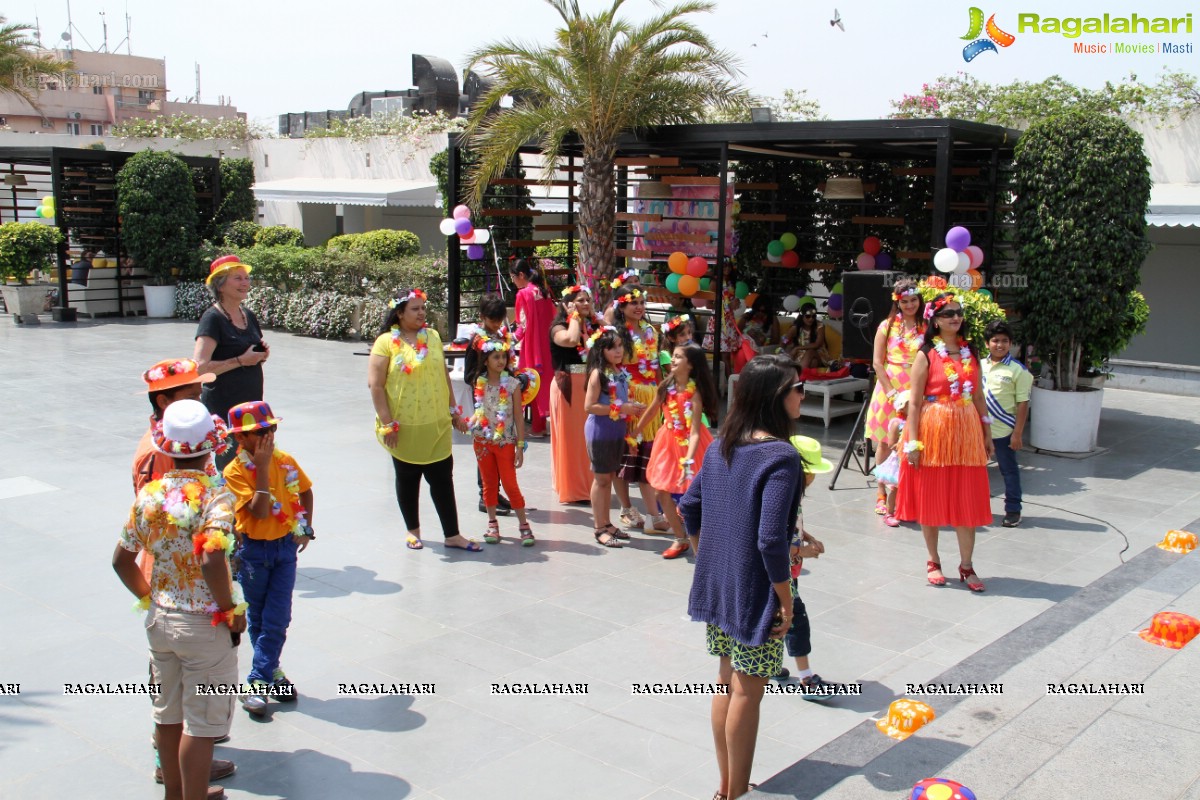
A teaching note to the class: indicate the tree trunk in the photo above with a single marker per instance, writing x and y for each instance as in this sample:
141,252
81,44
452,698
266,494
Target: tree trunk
597,218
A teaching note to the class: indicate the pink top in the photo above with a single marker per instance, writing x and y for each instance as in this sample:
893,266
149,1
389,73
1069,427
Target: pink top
534,313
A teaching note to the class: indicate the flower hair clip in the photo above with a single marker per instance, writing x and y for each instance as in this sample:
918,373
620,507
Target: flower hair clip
675,322
599,332
415,294
934,307
576,289
897,296
488,345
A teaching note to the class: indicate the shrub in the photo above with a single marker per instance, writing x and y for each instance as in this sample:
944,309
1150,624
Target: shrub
192,299
1137,314
378,245
157,206
239,233
279,236
26,246
237,196
978,310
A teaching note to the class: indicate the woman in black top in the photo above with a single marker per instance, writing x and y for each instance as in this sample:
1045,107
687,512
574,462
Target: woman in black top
229,343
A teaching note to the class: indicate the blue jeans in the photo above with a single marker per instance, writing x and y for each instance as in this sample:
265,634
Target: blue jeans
268,576
1006,459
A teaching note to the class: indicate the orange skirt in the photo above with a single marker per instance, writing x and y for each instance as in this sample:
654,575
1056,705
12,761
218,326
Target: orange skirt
663,472
571,475
950,487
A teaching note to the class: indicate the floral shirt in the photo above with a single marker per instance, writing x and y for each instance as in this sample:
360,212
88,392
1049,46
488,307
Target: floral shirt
495,425
165,516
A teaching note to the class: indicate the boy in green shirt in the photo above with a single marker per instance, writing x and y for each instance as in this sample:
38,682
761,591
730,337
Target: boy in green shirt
1006,384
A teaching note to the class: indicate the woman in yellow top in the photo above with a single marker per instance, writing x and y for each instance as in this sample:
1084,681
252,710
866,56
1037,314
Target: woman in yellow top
411,393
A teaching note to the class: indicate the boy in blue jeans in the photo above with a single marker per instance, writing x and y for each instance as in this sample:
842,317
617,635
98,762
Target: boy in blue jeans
273,503
1006,387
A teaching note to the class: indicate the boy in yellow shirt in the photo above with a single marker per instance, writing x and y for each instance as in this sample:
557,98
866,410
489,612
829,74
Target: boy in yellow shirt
273,503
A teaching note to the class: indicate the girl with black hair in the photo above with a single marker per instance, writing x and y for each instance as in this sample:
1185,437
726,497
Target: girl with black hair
570,475
534,311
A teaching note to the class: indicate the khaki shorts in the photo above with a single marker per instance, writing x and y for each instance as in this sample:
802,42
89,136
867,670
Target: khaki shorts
187,651
759,661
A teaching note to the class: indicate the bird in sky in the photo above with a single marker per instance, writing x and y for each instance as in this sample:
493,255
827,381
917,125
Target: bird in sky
837,20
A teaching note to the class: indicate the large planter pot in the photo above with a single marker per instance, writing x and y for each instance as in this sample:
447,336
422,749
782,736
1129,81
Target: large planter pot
160,301
1064,422
26,301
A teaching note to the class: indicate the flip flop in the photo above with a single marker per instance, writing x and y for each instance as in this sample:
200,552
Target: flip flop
414,542
472,547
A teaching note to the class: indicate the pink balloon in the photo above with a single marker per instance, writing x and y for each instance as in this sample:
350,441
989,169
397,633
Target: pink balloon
461,212
976,256
866,261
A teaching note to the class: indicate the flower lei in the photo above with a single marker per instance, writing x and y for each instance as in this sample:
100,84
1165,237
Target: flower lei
184,366
295,512
645,351
415,294
182,504
898,296
678,406
479,421
214,442
589,331
907,338
614,404
675,322
952,376
401,349
239,606
591,340
576,289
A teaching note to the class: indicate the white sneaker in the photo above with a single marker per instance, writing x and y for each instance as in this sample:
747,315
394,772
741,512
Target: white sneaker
256,704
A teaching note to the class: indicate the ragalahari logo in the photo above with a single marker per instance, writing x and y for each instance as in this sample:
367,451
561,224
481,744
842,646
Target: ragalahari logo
995,36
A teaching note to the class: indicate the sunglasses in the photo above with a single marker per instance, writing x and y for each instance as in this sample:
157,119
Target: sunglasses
955,312
798,387
262,431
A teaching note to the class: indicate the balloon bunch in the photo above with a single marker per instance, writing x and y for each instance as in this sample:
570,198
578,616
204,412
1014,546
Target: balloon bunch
960,260
873,255
687,274
470,237
836,301
46,210
782,251
795,302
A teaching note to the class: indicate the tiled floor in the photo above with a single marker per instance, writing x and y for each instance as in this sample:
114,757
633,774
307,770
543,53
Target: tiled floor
565,611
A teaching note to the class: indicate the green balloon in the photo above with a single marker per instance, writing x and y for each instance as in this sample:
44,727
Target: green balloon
672,283
985,293
789,241
837,288
38,211
741,290
807,301
705,283
775,248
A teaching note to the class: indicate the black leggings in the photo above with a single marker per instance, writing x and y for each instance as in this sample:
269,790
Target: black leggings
440,477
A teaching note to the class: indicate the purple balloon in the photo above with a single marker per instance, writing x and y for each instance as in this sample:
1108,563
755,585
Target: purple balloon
835,302
463,227
883,261
474,251
958,238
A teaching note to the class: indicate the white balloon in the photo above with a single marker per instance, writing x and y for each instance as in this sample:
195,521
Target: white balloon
946,260
964,264
791,303
774,259
482,235
447,227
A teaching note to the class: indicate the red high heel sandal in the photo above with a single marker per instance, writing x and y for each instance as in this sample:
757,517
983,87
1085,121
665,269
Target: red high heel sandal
931,567
964,574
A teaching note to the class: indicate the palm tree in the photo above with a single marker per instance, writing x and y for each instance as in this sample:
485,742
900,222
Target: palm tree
603,76
22,64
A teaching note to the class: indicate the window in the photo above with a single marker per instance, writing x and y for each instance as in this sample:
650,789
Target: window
145,96
97,130
73,128
97,89
3,120
48,123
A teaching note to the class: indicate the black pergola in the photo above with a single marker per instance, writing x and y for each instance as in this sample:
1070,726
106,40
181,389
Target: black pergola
83,183
965,166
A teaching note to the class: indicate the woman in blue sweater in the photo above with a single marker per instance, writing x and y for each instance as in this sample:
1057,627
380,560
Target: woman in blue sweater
740,588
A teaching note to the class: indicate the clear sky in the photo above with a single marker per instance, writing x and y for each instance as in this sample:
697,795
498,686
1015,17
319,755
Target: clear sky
273,57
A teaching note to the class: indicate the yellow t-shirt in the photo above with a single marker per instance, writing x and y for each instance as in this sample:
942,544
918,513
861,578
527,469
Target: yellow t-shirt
240,480
418,400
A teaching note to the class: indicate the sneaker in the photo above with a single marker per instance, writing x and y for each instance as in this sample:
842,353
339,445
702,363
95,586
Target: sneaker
256,703
783,674
503,509
631,518
1012,519
815,688
891,521
285,690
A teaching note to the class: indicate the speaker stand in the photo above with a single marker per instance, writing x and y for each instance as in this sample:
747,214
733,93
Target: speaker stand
856,437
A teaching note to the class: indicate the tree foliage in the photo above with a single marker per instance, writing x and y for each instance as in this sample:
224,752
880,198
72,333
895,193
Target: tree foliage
26,246
190,128
1083,185
601,76
156,202
278,236
237,194
23,66
794,106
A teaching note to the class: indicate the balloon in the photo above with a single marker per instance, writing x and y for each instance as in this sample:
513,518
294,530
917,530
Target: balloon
474,251
791,303
958,238
40,211
468,239
788,240
741,290
883,261
837,288
48,201
964,264
790,259
976,278
872,245
807,301
985,293
705,283
461,212
866,261
678,263
946,260
976,256
482,236
835,302
774,259
696,267
463,227
447,226
775,248
688,285
935,282
672,282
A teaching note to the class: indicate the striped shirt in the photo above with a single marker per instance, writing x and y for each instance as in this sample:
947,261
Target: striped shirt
1006,383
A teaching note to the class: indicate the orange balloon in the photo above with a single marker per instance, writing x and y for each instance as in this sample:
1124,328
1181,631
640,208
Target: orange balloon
678,263
976,278
688,285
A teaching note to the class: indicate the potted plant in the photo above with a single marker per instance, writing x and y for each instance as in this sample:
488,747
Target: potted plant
25,247
1083,186
156,204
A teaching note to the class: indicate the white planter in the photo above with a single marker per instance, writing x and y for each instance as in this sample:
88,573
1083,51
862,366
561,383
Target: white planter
160,301
25,302
1064,422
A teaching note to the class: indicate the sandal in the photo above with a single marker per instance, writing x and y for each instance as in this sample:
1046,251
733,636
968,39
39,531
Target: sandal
881,506
492,536
932,567
526,532
615,531
676,549
964,576
414,542
632,518
611,541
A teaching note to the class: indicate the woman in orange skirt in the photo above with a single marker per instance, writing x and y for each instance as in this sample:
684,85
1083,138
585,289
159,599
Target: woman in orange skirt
947,442
571,475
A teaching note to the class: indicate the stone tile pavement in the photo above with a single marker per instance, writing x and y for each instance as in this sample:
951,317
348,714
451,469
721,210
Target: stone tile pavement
566,611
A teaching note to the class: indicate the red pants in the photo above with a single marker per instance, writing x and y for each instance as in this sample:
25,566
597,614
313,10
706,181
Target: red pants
496,466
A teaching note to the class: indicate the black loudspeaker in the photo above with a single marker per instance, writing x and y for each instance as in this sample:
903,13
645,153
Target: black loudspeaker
867,302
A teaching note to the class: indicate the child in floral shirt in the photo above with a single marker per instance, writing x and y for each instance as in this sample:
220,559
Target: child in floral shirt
274,504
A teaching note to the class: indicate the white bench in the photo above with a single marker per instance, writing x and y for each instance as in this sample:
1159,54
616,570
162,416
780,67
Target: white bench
830,405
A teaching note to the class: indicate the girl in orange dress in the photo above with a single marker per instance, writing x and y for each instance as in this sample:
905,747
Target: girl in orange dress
897,341
679,446
571,473
947,442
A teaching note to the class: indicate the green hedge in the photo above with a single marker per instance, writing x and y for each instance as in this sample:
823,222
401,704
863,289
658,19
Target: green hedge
278,236
379,245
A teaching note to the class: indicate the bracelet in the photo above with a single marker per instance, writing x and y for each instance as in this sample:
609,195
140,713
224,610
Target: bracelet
456,411
913,445
238,359
391,427
986,419
892,393
142,604
227,616
524,445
